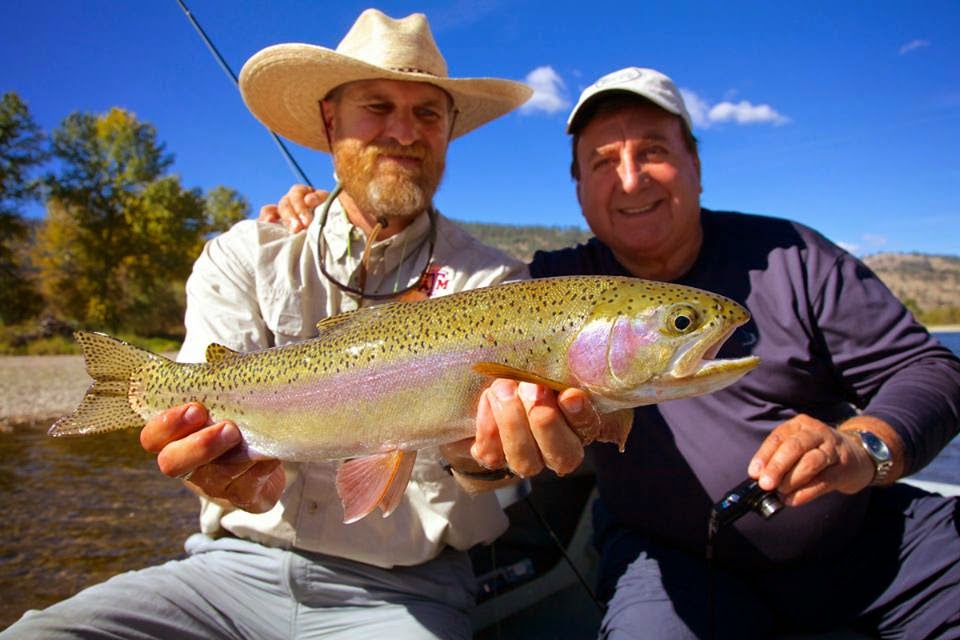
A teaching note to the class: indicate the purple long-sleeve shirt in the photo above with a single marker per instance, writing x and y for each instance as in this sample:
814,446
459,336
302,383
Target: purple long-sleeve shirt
832,339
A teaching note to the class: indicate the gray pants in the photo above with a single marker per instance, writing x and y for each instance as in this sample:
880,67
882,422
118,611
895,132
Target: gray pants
231,588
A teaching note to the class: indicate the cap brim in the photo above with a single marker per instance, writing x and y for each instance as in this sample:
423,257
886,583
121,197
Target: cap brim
283,84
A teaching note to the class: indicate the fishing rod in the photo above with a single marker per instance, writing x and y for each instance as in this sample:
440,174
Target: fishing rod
294,166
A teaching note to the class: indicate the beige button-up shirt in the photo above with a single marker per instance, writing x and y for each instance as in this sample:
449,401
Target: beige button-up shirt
258,286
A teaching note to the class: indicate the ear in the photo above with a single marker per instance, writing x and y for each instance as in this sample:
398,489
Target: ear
327,108
696,164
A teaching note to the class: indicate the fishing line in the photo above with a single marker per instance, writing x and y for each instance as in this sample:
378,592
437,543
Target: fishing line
573,567
226,69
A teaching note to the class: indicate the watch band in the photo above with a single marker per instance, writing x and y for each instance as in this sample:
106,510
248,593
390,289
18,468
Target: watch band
488,475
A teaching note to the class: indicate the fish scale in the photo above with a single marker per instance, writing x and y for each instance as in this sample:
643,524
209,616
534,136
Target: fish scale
393,379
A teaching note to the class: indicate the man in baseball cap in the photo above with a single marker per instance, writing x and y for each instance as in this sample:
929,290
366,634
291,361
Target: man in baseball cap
851,395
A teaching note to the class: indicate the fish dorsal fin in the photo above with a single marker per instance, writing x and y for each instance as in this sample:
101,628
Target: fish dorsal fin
497,370
218,353
329,323
374,481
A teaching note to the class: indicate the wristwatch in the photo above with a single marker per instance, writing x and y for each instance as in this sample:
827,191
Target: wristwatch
879,452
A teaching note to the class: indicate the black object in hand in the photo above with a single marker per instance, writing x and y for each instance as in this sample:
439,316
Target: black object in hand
744,498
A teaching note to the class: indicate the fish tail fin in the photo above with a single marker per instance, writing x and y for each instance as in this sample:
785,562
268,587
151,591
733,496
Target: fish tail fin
106,406
374,481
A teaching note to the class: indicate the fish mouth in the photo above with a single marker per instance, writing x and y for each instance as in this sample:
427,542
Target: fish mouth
698,361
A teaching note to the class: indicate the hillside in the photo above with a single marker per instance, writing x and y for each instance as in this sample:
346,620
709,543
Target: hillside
932,282
522,242
928,284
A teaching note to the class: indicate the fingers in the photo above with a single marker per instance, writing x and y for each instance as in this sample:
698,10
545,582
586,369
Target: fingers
559,446
296,207
580,414
804,458
519,446
523,427
171,425
184,455
269,213
258,488
487,448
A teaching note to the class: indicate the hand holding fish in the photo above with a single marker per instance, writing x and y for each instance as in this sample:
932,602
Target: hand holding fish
804,458
207,457
526,427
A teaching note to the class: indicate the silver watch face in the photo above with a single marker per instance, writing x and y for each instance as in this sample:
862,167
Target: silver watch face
876,447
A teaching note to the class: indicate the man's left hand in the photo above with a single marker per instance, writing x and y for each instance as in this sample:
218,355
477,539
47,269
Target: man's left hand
804,458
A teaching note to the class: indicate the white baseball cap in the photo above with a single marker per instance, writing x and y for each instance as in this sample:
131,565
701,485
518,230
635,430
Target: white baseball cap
646,83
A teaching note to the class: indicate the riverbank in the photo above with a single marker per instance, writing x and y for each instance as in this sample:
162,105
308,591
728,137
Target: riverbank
39,388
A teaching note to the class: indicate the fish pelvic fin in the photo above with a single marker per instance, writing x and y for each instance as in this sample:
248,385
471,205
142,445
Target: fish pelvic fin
379,480
615,427
497,370
106,406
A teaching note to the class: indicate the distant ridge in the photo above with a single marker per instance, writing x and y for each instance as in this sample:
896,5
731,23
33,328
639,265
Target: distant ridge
928,284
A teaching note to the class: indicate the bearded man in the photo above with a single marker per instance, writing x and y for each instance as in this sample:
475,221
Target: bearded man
274,558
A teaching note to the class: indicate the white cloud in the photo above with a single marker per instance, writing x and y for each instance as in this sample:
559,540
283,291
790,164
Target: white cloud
549,91
869,243
743,112
912,45
849,247
697,107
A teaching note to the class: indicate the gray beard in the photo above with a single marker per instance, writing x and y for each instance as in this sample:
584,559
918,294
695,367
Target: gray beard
395,203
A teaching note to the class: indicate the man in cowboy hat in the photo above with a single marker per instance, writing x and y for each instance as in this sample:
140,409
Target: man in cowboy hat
274,558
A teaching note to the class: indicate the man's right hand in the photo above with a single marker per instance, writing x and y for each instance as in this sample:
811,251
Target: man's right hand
210,458
295,209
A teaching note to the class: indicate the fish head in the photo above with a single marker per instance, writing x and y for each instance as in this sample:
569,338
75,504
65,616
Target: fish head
650,342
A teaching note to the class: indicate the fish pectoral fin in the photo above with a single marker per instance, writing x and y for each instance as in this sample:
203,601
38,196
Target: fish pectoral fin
615,427
497,370
218,353
379,480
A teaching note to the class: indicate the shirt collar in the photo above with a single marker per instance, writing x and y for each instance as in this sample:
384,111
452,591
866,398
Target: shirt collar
343,238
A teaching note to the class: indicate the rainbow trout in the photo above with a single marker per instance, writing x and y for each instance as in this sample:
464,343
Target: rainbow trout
380,383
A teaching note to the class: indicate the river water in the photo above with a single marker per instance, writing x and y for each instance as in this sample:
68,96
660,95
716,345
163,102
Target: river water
77,511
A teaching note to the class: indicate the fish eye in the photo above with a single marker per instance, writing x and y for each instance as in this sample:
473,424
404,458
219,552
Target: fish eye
682,319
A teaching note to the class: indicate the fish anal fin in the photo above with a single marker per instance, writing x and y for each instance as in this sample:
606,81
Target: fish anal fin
373,481
218,353
497,370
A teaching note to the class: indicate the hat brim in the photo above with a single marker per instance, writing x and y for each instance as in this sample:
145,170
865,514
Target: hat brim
283,84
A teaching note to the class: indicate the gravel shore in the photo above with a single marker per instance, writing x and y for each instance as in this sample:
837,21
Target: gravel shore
39,388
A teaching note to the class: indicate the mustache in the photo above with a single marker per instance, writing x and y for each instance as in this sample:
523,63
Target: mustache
417,150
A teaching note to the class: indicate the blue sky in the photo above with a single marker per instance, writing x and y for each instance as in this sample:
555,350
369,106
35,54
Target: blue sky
842,115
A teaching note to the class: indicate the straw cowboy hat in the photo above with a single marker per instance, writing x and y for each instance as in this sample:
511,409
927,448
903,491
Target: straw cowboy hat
283,84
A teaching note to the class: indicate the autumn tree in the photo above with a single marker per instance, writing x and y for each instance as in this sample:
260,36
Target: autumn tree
121,235
22,150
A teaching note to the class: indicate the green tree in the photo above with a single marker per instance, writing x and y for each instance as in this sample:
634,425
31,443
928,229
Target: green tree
22,149
120,235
